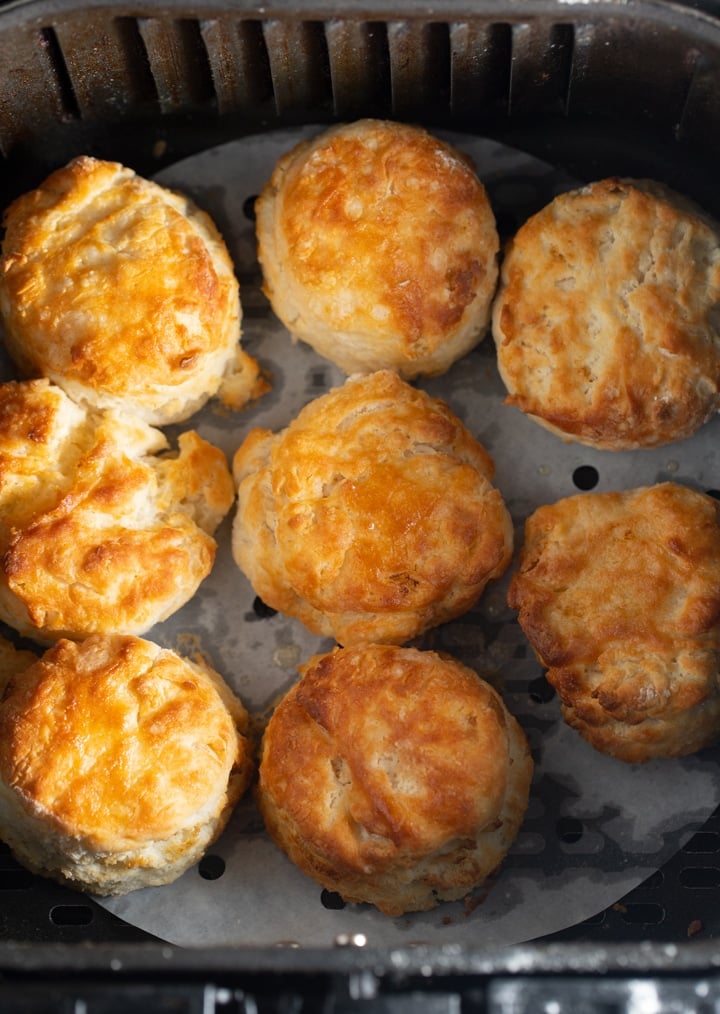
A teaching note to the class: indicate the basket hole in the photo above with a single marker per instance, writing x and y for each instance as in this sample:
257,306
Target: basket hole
713,492
71,915
642,913
569,829
331,900
211,867
585,477
655,880
703,841
261,610
249,207
540,690
702,878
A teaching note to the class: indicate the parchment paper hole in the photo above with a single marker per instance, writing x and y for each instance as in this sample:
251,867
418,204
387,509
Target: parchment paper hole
643,913
586,477
655,880
569,829
211,867
317,378
331,899
261,610
540,690
714,492
700,879
703,841
249,207
71,915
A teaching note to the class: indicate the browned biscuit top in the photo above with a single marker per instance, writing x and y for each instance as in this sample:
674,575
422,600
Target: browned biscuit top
619,595
119,742
99,531
372,516
383,768
379,246
120,291
607,322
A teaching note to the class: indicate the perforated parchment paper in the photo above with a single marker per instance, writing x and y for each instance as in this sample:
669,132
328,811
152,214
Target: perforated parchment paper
595,827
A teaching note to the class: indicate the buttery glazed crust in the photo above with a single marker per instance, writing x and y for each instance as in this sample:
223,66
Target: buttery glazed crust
372,517
619,596
606,322
393,776
120,763
99,532
123,293
379,248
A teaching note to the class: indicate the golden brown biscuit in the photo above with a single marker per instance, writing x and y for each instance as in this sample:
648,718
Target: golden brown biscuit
102,529
607,321
120,762
619,596
393,776
372,517
379,248
123,293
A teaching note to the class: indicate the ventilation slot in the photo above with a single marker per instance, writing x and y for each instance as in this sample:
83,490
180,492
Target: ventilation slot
300,71
541,68
700,114
359,62
179,63
420,69
240,67
480,76
65,92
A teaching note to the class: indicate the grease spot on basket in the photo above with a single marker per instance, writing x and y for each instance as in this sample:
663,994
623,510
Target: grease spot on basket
286,656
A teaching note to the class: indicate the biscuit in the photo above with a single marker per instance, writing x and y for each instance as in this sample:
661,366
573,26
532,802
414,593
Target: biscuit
102,528
372,516
393,776
123,293
378,248
120,762
607,319
619,596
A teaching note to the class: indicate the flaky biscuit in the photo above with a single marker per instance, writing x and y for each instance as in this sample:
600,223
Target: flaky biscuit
120,762
102,528
378,247
393,776
619,596
123,293
372,516
607,319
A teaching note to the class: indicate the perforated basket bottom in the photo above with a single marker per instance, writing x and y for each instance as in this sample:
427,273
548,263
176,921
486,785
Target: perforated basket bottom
595,829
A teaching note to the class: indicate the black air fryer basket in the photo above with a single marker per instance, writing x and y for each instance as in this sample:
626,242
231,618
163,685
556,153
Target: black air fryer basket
591,89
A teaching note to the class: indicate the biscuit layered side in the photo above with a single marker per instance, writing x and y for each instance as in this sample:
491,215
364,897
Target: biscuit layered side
393,776
606,321
378,247
123,293
619,595
372,516
164,759
102,528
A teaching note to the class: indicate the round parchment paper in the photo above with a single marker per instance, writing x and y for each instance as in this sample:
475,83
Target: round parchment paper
595,827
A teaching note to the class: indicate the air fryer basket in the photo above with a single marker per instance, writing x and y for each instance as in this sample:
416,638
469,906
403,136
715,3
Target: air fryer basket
594,88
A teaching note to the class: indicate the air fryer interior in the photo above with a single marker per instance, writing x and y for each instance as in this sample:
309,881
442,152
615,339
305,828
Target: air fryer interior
601,88
594,89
